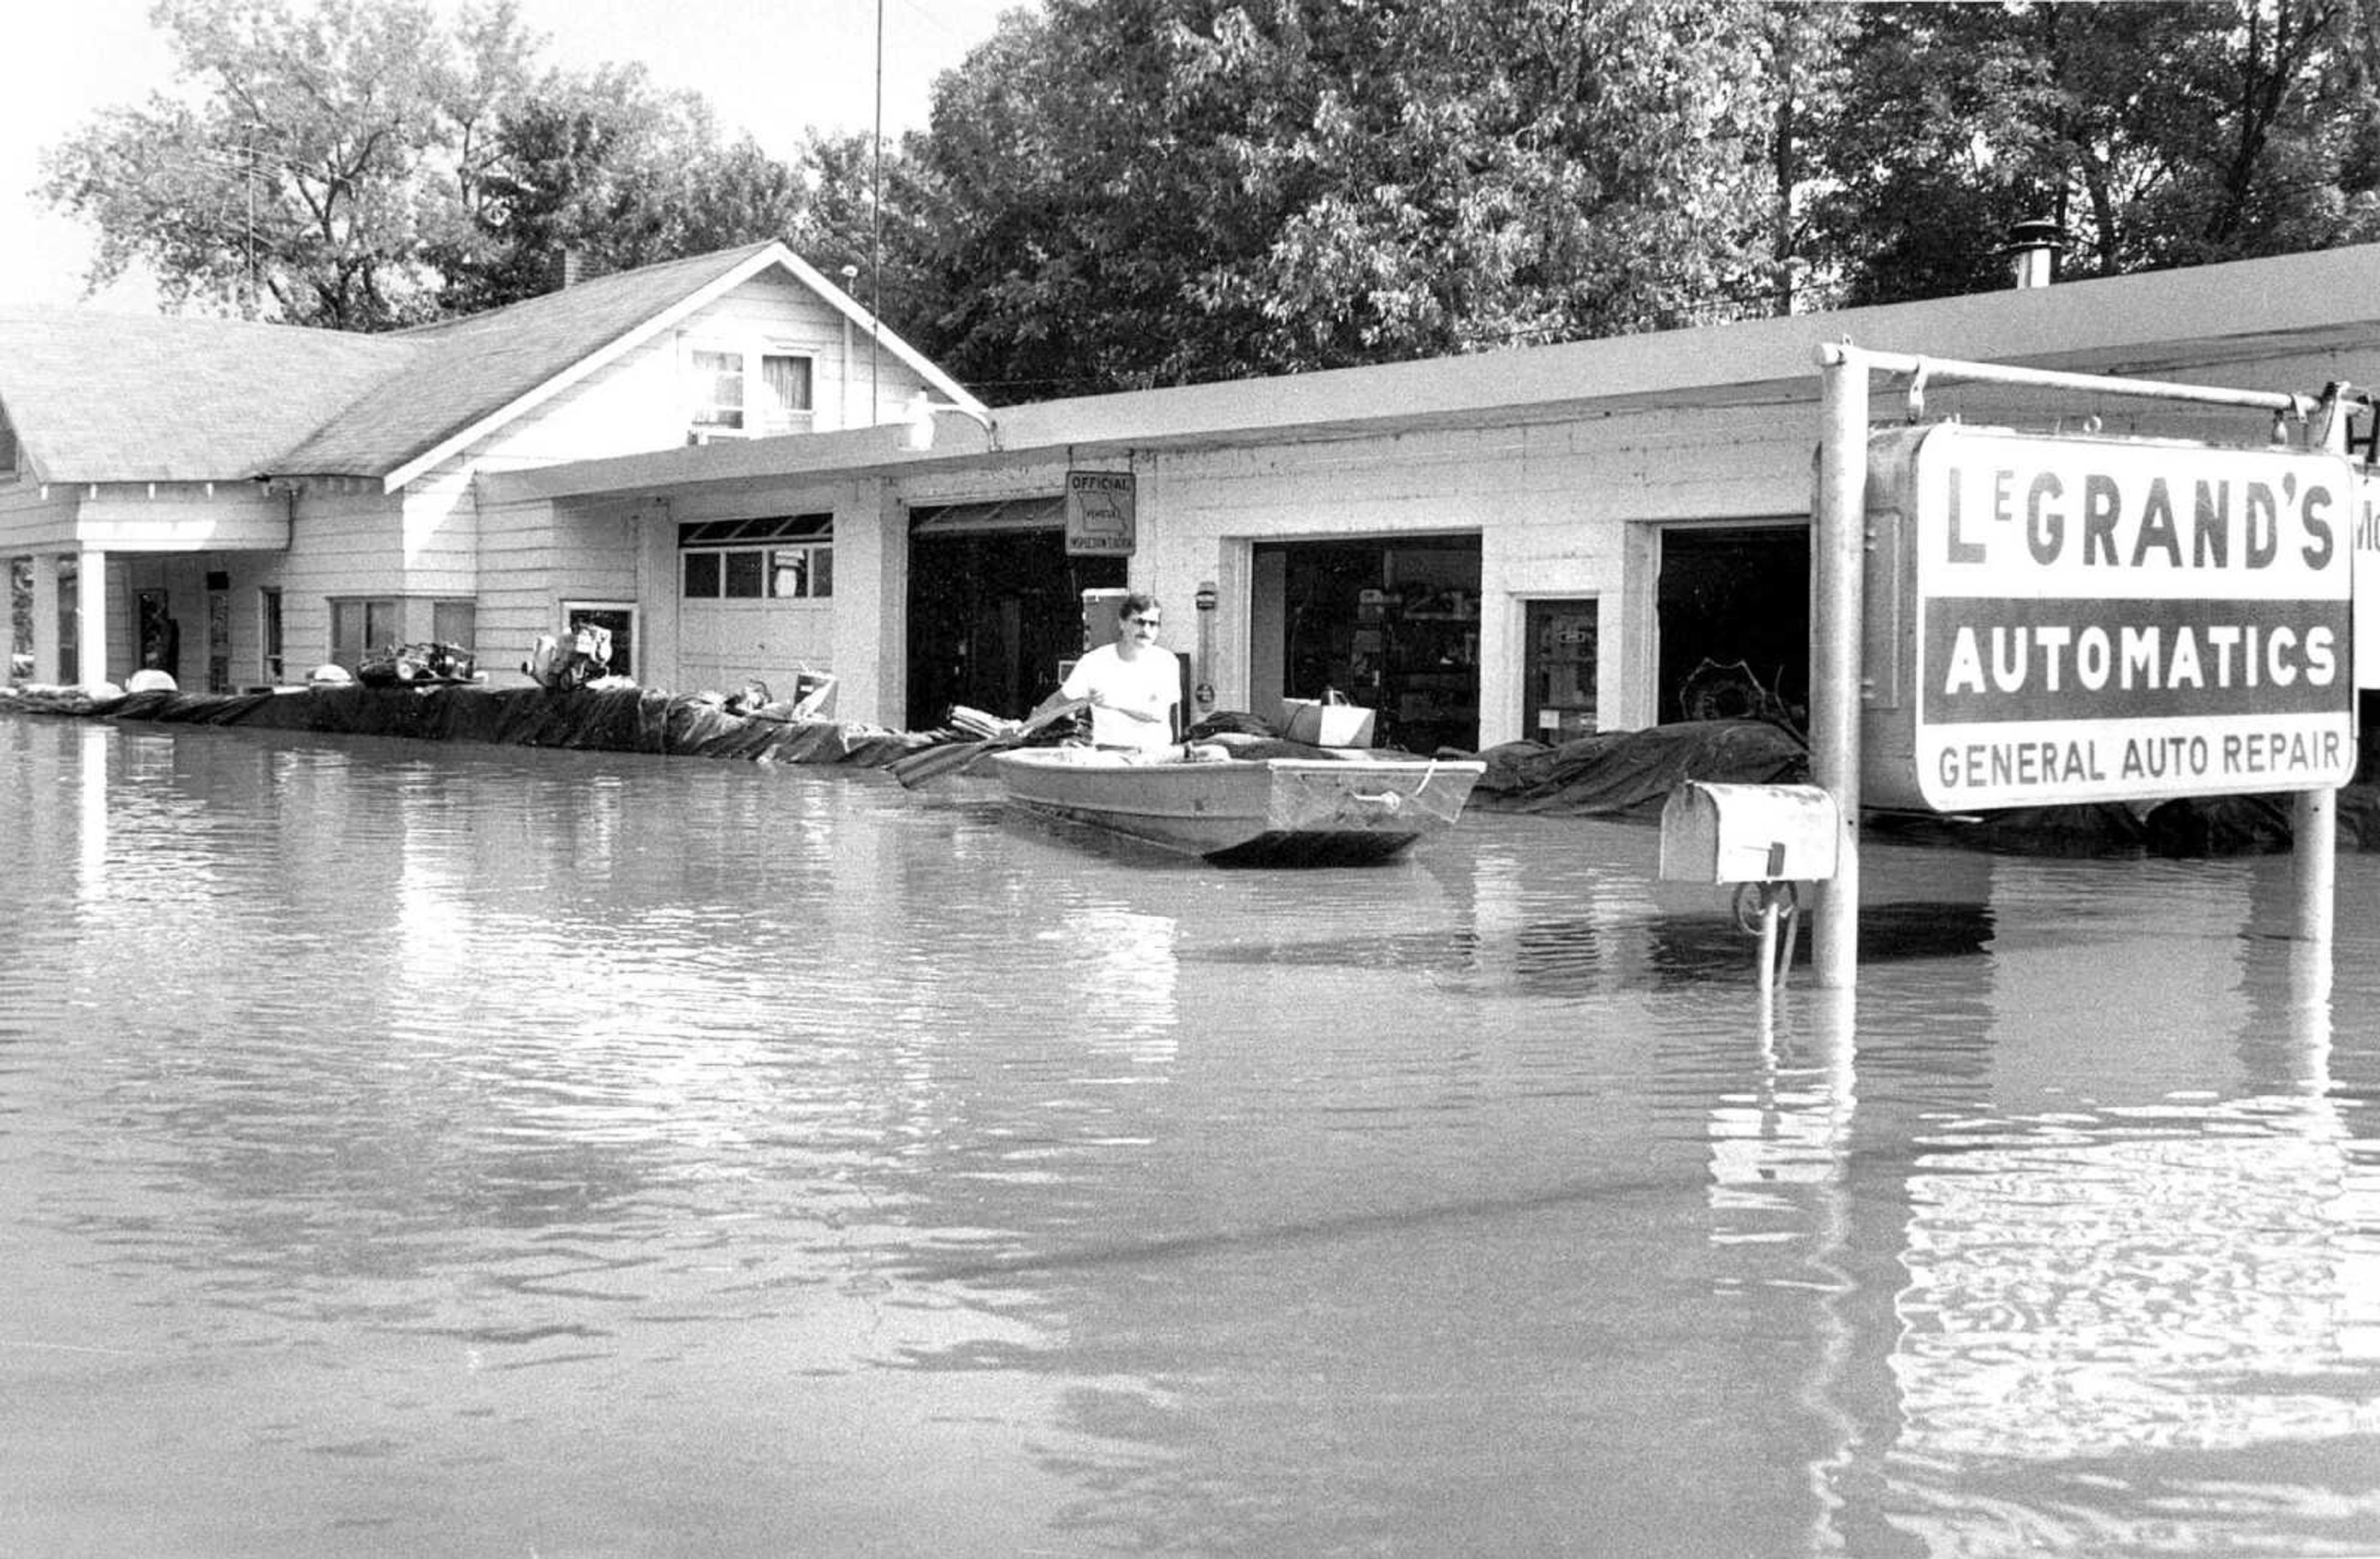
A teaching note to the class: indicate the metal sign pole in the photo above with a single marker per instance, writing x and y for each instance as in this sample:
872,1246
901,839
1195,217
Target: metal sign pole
2313,814
1838,584
2313,824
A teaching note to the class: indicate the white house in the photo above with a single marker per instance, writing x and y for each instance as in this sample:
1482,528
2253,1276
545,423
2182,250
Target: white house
238,503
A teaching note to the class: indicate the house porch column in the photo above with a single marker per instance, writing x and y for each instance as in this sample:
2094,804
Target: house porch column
45,620
91,625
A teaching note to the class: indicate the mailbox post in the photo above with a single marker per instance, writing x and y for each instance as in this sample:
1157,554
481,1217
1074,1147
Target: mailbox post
1762,837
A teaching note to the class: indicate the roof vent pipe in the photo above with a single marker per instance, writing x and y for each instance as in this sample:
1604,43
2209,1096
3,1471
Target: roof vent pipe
2032,251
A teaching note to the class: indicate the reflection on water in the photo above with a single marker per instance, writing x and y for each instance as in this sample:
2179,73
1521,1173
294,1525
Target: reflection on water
411,1150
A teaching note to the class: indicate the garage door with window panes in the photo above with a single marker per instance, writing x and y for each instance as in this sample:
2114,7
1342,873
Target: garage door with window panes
756,598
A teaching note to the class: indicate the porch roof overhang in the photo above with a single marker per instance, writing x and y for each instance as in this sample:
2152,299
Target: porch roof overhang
149,516
2213,319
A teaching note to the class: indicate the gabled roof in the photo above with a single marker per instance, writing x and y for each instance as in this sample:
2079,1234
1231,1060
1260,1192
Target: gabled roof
97,397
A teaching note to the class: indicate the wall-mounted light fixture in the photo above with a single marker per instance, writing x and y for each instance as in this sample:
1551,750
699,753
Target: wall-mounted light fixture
1204,694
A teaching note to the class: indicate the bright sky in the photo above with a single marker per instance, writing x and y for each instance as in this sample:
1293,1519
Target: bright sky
772,66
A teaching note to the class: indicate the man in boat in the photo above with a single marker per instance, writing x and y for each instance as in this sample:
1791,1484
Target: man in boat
1134,688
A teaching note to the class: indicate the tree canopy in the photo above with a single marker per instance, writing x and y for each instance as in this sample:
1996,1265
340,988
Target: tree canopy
1121,193
2152,135
293,175
1147,191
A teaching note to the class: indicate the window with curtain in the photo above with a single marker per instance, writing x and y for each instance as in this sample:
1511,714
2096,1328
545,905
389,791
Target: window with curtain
785,381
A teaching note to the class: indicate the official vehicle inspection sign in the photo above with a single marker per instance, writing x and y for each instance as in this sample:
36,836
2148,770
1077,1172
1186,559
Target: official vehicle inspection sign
2057,620
1102,514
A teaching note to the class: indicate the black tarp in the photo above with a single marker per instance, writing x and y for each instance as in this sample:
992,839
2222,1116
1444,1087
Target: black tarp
586,719
1617,772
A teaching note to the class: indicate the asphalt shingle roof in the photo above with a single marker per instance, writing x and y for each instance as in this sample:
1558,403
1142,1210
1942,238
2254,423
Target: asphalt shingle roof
109,397
101,398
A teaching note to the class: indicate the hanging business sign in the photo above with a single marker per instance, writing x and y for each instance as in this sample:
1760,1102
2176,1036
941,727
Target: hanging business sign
2061,620
1102,513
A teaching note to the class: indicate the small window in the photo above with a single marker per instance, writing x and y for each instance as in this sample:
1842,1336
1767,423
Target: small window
7,449
718,389
617,617
359,627
455,622
275,663
786,403
775,558
801,573
753,532
20,617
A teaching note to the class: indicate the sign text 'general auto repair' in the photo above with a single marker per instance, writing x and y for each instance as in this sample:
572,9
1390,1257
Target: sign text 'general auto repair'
2100,620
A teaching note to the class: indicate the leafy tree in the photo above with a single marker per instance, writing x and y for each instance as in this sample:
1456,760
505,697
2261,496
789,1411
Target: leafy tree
608,169
361,166
2154,135
297,174
871,214
590,166
1130,192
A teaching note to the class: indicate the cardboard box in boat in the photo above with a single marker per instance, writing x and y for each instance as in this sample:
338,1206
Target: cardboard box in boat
1328,722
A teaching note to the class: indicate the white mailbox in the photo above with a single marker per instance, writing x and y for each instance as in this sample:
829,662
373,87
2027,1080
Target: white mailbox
1749,833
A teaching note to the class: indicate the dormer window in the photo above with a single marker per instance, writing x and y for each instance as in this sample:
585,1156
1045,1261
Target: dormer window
7,447
747,393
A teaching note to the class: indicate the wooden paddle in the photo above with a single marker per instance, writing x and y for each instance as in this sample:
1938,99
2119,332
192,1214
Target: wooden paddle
930,764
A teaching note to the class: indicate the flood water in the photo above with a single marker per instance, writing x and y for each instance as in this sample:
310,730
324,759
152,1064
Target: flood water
419,1151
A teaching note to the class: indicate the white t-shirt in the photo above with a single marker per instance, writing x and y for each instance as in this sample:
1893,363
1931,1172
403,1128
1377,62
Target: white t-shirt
1149,682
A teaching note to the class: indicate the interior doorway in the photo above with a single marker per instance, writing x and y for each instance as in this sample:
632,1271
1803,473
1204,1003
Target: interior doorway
1393,623
992,611
1560,637
1734,623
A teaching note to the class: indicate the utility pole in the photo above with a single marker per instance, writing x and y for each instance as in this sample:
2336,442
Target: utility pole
250,178
875,239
